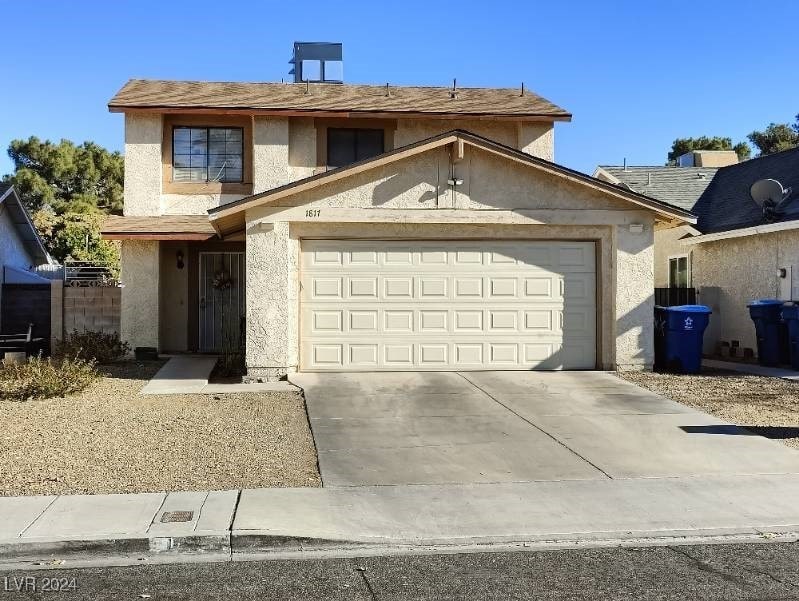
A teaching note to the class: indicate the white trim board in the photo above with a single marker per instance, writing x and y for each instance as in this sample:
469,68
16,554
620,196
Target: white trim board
743,232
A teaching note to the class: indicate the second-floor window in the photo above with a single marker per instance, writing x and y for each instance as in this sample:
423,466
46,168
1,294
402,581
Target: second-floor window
207,154
350,145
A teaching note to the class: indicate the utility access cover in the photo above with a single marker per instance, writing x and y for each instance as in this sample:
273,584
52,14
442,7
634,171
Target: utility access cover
176,516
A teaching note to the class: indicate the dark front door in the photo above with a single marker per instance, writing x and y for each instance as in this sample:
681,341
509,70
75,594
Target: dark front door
222,302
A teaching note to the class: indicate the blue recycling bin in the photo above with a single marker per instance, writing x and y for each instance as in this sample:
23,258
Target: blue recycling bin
790,314
678,337
766,313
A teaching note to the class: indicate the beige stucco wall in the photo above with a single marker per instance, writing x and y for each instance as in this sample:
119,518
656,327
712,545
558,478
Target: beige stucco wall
715,158
537,139
284,150
194,204
634,302
142,164
140,293
420,182
745,269
271,298
302,147
270,155
412,130
667,244
626,267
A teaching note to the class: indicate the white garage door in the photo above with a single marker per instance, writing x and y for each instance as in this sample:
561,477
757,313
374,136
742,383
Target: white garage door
447,305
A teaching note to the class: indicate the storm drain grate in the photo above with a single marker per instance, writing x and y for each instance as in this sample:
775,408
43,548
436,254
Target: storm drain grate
176,516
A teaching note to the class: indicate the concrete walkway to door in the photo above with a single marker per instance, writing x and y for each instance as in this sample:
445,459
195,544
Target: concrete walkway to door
484,427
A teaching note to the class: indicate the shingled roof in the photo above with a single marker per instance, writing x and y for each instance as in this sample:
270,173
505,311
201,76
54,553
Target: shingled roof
721,199
337,99
161,227
679,186
727,203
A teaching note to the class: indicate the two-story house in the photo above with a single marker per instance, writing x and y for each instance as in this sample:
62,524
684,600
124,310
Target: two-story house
354,227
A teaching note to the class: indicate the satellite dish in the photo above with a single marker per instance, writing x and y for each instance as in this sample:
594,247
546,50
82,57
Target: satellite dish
767,190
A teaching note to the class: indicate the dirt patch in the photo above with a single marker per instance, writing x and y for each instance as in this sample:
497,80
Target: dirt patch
109,439
767,406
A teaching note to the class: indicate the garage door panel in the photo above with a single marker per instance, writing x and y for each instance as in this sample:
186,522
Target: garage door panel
397,354
364,355
327,321
323,288
447,305
397,321
467,287
579,288
363,257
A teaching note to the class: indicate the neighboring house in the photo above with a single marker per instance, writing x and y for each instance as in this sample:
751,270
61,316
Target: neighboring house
681,186
739,250
359,228
21,248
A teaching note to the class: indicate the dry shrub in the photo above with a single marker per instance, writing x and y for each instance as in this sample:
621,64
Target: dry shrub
42,378
103,348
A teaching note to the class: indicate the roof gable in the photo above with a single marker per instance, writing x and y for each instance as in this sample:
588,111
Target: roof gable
230,217
17,215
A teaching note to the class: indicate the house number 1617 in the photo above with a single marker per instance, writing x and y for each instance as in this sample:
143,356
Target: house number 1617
313,212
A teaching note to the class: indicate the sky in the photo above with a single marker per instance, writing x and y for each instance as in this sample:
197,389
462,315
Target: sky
635,74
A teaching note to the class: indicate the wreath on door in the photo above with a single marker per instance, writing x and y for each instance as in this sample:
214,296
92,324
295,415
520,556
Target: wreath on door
222,280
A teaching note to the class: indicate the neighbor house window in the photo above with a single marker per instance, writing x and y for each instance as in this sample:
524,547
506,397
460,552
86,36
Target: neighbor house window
207,154
349,145
678,272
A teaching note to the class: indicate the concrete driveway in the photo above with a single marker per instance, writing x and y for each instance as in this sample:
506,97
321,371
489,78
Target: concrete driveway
482,427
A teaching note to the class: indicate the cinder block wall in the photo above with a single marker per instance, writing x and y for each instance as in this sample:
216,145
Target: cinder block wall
96,309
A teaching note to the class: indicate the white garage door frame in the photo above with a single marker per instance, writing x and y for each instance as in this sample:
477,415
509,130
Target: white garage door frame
324,319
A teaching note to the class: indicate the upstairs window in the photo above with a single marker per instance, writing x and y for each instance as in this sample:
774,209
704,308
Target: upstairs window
207,154
349,145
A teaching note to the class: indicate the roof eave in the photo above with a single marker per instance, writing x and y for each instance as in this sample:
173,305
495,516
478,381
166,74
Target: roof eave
343,113
768,228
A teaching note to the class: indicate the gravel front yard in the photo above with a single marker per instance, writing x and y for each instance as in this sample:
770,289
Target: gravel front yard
767,406
108,439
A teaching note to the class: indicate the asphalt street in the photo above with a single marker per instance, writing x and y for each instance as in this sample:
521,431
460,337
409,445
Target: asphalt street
709,572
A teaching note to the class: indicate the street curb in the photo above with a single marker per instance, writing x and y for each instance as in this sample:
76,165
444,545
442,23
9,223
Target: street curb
109,546
254,545
251,542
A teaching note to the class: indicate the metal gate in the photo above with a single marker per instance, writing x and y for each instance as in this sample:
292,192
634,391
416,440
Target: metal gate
222,305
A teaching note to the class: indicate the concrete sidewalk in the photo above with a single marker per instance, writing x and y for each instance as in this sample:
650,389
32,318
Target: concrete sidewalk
752,369
189,374
40,528
388,519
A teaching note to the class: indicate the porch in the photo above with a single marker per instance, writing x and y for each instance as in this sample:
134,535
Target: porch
182,287
201,296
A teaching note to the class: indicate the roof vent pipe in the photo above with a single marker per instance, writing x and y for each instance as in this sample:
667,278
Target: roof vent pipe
454,91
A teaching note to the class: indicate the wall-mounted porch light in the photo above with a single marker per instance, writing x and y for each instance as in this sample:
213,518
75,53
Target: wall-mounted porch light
179,257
